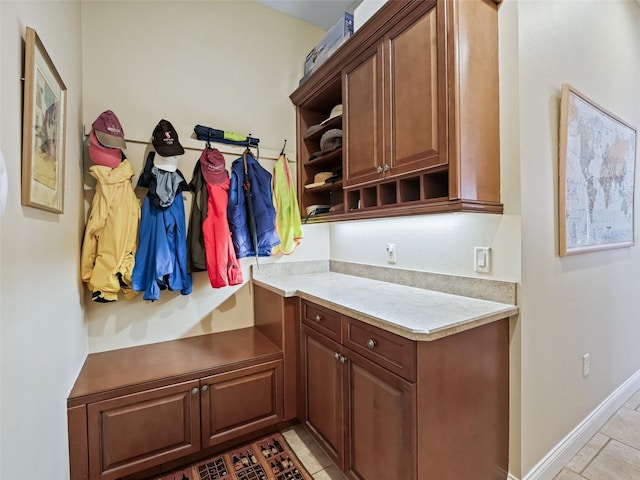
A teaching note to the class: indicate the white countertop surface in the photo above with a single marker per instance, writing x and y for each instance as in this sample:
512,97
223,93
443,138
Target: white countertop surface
411,312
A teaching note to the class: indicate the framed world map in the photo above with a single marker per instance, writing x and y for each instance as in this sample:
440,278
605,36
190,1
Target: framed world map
596,176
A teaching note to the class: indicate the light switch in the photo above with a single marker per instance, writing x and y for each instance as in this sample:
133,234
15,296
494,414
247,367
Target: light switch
482,257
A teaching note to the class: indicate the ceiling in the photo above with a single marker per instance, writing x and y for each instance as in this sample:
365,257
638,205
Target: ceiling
321,13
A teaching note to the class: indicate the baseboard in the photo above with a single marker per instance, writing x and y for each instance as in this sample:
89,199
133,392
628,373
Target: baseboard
559,456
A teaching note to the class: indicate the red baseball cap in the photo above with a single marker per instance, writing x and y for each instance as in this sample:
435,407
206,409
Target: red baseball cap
213,166
101,155
109,131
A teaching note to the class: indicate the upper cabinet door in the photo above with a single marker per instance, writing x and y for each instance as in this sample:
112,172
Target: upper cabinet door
395,99
416,137
363,120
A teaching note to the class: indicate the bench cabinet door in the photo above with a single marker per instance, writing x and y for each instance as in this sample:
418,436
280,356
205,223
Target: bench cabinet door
130,433
241,401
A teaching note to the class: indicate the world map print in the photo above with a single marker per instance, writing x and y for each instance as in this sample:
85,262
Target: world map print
599,175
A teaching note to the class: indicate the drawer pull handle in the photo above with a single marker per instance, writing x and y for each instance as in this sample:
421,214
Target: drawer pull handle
341,358
195,391
318,318
371,343
205,388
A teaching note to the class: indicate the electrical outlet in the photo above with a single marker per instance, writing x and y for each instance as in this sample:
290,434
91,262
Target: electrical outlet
482,259
586,365
391,253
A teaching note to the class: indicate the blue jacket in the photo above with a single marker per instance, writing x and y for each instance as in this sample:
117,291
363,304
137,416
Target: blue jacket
161,258
265,213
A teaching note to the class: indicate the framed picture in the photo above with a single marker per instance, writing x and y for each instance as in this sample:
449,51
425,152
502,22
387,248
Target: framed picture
43,129
597,160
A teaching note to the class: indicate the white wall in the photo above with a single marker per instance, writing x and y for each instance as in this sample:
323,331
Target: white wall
585,303
434,243
570,306
44,338
227,65
1,104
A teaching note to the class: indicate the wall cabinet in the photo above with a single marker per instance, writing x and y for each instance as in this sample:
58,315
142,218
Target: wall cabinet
384,406
419,87
136,408
394,95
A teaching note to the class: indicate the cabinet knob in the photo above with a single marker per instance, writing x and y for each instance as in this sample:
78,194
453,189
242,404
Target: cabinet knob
343,359
336,355
379,170
371,343
195,391
318,318
205,388
386,167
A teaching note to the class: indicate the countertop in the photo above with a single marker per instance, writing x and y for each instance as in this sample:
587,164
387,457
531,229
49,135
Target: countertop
414,313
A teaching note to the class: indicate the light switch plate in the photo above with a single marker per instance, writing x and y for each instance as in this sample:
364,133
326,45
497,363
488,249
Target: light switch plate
391,253
482,259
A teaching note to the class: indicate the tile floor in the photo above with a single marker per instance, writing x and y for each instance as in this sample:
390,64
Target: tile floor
317,463
614,452
611,454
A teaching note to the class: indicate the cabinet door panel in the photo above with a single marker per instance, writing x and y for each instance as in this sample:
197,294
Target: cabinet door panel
241,401
322,377
363,118
133,432
417,135
382,419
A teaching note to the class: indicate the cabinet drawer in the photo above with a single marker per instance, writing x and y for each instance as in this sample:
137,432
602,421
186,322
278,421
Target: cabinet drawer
321,319
393,352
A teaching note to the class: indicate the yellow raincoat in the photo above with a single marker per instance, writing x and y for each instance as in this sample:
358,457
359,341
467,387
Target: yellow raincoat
111,234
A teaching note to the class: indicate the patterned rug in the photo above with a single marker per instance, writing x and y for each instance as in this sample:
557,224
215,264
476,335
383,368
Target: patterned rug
269,458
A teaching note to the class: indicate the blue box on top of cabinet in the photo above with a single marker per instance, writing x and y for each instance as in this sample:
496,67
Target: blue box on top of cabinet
336,36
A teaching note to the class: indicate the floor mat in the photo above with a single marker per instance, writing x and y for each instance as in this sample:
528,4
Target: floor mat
269,458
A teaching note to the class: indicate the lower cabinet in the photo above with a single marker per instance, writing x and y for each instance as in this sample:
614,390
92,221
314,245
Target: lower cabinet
323,392
240,402
139,408
137,431
362,415
134,432
386,407
381,413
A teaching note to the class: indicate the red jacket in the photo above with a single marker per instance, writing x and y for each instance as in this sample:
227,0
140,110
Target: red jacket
222,265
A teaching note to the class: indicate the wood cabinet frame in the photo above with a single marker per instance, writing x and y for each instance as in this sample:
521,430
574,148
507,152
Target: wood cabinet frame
463,174
454,397
127,392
